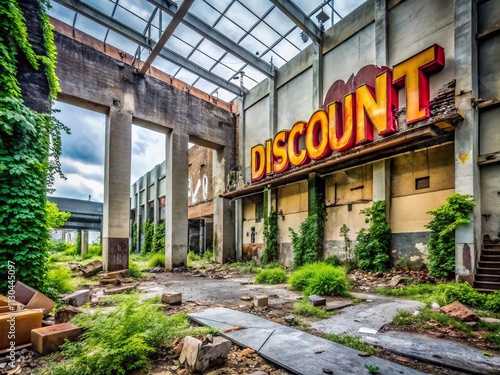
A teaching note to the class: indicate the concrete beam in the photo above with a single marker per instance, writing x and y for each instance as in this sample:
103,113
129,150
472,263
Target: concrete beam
317,66
381,40
116,209
467,179
176,199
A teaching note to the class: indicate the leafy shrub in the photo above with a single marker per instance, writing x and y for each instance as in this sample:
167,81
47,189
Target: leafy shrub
94,250
157,259
58,246
333,260
148,229
347,245
59,279
308,243
134,270
442,240
320,278
208,255
304,308
159,238
193,257
354,342
72,250
122,340
271,276
270,238
464,293
372,244
493,302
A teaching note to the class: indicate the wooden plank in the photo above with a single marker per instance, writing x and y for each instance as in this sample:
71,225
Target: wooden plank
489,103
489,158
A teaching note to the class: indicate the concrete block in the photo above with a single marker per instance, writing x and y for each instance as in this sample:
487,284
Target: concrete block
173,298
119,290
317,300
20,322
260,300
92,268
32,299
122,274
78,298
460,311
47,340
65,314
198,356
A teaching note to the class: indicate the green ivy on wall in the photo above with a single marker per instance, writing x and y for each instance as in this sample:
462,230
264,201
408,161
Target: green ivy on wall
30,146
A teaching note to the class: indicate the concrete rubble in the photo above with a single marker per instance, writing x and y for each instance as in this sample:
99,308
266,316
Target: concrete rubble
460,311
197,355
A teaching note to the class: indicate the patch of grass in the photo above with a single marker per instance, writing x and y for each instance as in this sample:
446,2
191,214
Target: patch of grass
247,267
304,308
300,324
426,317
494,338
271,276
354,342
208,255
134,270
94,250
59,279
320,278
193,257
122,340
157,259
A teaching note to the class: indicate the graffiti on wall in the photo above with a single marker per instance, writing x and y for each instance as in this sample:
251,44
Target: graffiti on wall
200,189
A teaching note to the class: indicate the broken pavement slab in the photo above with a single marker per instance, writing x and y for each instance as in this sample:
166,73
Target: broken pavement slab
441,352
91,269
78,298
292,349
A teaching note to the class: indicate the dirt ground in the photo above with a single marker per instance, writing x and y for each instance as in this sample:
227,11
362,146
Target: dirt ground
220,286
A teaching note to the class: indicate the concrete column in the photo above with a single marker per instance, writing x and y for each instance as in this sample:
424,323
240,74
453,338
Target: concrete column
317,76
202,244
467,179
382,184
224,226
238,204
85,242
156,174
381,35
116,210
273,107
238,228
176,199
147,215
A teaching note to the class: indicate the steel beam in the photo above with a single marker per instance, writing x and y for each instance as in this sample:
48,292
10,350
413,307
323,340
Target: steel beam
299,18
219,39
144,41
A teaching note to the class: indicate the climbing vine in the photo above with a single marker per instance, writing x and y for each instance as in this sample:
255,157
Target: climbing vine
30,145
308,243
270,238
372,244
442,241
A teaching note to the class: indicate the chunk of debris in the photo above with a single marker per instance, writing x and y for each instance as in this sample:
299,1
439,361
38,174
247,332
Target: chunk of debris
32,299
246,298
119,290
24,322
78,298
336,305
172,298
91,269
235,328
316,300
65,314
198,356
122,274
460,311
260,300
398,279
47,340
367,330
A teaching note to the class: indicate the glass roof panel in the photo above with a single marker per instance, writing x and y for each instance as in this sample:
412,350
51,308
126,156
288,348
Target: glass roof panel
220,5
205,86
90,27
223,71
258,7
104,6
277,60
186,34
232,62
204,12
281,23
186,76
129,19
166,66
308,6
142,9
346,7
61,13
253,45
286,50
242,15
295,38
122,43
179,47
265,34
202,59
229,29
225,95
252,73
211,49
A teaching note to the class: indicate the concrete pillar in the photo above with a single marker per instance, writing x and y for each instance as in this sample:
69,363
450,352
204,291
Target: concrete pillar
382,184
317,76
381,50
202,244
238,225
116,210
156,189
147,215
467,179
238,204
85,242
224,226
176,199
316,191
273,107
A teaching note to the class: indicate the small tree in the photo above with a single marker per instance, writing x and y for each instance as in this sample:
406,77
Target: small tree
56,218
442,241
271,238
373,244
347,245
159,238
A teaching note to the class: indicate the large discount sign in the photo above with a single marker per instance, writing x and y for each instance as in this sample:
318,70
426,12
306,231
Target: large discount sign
352,110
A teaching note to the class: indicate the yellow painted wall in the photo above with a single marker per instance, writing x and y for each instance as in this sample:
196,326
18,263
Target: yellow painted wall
292,201
249,222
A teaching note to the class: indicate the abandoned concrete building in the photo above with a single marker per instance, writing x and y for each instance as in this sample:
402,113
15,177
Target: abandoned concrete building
424,74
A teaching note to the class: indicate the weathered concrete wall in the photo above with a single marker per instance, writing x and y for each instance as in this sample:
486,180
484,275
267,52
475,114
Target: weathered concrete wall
295,100
200,177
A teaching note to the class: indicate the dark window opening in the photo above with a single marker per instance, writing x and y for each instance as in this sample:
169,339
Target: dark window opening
422,183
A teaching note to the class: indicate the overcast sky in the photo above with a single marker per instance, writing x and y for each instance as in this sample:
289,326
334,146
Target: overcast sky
83,153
